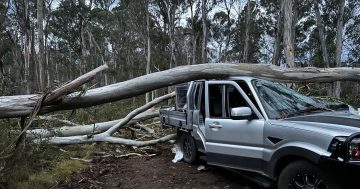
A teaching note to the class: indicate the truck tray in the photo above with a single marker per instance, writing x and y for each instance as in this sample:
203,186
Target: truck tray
172,118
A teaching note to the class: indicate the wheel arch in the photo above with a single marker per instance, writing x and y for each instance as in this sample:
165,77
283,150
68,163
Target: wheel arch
286,155
185,135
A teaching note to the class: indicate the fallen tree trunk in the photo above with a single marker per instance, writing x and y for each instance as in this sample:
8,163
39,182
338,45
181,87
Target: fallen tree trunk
88,129
106,136
23,105
110,139
53,118
19,106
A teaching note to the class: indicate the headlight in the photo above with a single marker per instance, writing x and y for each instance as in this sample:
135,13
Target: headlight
347,148
354,150
336,145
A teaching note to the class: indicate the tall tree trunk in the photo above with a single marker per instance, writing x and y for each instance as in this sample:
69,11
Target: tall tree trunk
321,28
27,48
70,66
83,46
193,35
288,39
148,57
171,16
339,33
322,38
204,41
293,24
41,58
32,66
247,29
83,50
279,31
48,69
228,7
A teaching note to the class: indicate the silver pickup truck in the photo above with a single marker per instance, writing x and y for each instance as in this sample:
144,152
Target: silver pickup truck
273,134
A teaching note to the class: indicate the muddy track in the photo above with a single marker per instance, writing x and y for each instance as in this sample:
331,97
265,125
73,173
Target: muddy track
152,172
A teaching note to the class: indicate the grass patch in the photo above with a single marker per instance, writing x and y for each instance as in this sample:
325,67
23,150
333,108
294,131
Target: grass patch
48,178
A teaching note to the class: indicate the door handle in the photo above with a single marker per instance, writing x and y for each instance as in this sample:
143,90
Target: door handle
215,126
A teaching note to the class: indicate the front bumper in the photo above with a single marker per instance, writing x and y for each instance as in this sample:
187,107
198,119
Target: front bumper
346,173
340,166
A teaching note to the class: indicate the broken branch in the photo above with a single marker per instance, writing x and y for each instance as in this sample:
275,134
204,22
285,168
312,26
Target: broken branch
106,136
52,118
88,129
137,111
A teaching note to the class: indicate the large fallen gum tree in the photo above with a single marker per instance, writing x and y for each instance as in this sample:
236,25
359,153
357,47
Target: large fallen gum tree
22,105
63,98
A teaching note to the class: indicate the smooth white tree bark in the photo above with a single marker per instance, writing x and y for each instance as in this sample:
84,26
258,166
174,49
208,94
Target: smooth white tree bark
41,58
339,37
288,38
72,130
106,136
22,105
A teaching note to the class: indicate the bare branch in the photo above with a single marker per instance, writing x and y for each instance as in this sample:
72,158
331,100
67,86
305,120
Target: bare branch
52,118
137,111
74,84
145,128
88,129
105,138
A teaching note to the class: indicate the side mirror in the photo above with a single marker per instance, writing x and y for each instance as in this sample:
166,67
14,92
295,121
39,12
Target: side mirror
241,113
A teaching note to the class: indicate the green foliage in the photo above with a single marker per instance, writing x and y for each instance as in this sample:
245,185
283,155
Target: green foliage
256,32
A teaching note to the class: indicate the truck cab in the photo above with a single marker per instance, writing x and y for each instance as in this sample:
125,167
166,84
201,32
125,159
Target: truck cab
264,128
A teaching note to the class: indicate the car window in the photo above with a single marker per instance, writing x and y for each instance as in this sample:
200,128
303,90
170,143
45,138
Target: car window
222,98
216,100
281,102
245,87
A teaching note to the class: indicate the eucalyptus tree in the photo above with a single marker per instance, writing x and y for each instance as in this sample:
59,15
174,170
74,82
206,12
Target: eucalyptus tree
204,11
223,28
66,30
248,27
40,32
288,35
339,43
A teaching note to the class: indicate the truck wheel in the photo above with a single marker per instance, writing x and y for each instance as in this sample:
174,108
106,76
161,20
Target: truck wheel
188,147
302,174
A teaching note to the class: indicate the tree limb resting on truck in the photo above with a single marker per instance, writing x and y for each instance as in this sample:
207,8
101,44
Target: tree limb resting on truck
19,106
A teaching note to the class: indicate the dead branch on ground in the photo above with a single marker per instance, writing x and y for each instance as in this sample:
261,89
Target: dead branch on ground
106,136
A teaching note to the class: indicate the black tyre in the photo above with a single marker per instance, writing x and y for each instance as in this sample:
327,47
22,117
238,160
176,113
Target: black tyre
302,174
188,147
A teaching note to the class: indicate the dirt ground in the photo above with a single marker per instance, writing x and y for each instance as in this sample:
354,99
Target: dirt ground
152,172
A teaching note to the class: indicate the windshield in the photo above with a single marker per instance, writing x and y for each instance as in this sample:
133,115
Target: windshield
280,102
